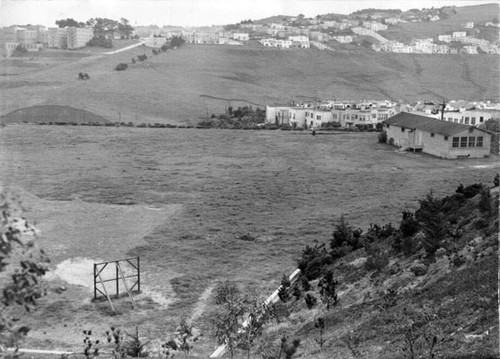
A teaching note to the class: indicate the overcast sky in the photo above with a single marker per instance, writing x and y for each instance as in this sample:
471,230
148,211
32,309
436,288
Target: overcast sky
193,12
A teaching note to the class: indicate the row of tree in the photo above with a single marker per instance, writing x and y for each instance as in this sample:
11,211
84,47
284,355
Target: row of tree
103,27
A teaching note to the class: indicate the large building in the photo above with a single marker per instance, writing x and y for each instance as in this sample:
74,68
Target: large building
439,138
78,37
57,38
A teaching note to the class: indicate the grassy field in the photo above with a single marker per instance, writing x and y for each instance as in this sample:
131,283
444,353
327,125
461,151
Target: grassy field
197,80
182,199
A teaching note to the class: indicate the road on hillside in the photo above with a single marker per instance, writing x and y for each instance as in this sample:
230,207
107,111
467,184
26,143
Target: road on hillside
124,48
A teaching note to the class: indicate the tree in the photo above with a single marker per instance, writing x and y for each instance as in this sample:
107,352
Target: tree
125,29
24,288
239,318
432,221
69,22
177,41
103,27
327,289
228,320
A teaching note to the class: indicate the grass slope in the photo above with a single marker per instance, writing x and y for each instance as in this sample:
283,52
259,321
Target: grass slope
52,113
195,80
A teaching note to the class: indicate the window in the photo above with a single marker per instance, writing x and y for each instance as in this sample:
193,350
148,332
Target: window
402,129
446,138
479,142
455,142
388,126
374,115
307,113
455,120
466,120
432,135
473,121
334,116
472,141
481,119
294,116
318,117
463,141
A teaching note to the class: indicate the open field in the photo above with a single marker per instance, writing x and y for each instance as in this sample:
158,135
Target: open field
181,199
196,80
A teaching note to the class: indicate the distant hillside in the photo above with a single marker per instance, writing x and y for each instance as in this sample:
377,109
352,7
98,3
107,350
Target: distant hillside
199,80
52,113
477,13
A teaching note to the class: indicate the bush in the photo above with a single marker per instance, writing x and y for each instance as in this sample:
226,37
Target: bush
310,301
470,191
390,141
100,41
409,225
377,258
431,219
382,137
344,236
313,260
121,67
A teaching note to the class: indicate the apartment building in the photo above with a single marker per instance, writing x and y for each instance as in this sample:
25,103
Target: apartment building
57,38
78,37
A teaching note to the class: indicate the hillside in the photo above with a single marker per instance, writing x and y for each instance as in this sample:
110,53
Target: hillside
52,113
402,294
405,32
197,80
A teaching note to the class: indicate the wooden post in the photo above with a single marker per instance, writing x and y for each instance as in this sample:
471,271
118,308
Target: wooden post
95,281
139,274
117,281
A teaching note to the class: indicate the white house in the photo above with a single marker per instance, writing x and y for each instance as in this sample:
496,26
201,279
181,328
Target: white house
458,34
241,36
439,138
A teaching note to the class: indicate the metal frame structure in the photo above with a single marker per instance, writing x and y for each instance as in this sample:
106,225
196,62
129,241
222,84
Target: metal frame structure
119,275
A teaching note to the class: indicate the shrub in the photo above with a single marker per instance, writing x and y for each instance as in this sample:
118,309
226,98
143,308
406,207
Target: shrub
382,137
390,141
409,225
431,219
470,191
344,235
408,246
121,67
310,301
485,202
496,180
327,289
305,284
377,258
313,260
283,291
142,57
225,292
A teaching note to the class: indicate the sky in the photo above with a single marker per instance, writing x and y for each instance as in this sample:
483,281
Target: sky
194,12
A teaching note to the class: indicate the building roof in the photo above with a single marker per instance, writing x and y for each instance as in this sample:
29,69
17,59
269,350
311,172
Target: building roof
428,124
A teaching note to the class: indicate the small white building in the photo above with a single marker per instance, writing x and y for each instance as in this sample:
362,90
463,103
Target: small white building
458,34
439,138
241,36
444,38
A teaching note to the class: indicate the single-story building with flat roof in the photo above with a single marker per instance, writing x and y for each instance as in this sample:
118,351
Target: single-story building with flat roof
436,137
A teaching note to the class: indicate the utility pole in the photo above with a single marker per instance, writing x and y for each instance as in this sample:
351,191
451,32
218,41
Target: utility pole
443,105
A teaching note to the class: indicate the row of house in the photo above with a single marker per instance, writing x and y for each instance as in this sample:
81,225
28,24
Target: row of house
469,45
346,113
